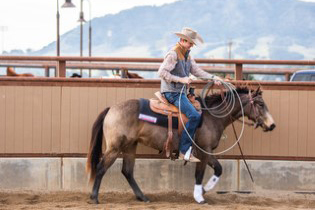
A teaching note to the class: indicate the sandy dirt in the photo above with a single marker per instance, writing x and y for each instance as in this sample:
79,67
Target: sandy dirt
171,200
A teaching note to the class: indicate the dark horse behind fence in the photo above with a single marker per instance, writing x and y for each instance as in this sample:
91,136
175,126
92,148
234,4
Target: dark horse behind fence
122,131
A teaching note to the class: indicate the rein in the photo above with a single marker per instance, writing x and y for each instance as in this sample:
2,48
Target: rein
240,148
236,137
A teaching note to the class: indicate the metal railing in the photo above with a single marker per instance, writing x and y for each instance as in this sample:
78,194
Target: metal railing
149,64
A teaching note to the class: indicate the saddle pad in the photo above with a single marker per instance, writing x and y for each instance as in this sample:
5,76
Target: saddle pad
146,114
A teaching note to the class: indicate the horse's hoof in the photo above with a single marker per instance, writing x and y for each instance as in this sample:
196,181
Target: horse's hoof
202,202
93,200
144,199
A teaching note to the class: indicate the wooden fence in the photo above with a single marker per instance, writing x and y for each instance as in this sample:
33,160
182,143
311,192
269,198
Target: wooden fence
53,117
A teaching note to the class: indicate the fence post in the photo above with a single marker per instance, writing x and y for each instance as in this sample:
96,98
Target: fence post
61,69
238,71
287,76
47,71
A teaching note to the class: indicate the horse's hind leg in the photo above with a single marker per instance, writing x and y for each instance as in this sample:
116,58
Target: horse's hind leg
106,162
127,171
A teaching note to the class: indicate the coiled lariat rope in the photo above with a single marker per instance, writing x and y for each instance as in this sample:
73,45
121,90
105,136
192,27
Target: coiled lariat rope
220,111
228,102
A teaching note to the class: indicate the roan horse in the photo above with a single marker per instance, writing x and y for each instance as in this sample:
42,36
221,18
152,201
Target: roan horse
12,73
122,131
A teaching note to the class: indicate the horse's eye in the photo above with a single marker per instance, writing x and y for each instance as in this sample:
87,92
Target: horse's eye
260,104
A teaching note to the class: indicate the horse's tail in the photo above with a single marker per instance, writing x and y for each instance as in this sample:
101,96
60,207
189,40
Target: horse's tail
95,150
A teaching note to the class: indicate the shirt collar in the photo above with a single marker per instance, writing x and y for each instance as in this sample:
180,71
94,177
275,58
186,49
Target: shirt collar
183,51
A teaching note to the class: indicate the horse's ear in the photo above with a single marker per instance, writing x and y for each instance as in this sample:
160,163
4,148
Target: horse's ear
258,91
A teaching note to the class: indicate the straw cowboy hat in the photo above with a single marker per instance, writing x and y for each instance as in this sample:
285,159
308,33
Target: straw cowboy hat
190,35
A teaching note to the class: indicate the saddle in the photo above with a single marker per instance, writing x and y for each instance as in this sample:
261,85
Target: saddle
162,106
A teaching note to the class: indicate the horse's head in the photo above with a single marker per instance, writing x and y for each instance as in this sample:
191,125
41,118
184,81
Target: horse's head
253,103
257,111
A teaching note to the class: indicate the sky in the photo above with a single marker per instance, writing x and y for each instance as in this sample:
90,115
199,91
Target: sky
31,24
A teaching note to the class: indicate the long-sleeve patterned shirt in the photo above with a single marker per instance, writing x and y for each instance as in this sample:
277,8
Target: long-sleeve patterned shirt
168,66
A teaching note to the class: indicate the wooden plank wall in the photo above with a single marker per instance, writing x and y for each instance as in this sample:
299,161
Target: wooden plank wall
58,119
294,135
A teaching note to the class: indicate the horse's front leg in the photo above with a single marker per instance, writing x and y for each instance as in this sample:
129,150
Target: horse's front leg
213,163
198,190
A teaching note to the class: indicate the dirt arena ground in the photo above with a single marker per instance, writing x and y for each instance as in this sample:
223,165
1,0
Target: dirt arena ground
19,200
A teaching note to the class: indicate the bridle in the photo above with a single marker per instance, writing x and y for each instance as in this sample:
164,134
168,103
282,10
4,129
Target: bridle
254,108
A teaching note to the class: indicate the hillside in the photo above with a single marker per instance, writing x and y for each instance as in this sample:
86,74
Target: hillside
257,29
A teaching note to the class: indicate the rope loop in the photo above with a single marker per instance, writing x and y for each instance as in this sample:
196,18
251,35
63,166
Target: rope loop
220,111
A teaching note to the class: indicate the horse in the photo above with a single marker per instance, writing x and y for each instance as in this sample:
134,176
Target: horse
122,130
126,74
12,73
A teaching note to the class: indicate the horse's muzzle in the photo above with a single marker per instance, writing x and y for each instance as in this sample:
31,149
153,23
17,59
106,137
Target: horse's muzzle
272,127
269,128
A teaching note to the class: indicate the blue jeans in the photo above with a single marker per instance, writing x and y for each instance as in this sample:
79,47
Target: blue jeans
193,118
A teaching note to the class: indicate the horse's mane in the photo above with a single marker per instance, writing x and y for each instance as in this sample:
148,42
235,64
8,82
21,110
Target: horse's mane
216,98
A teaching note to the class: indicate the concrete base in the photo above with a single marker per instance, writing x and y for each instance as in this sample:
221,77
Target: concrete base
151,176
154,175
278,175
30,173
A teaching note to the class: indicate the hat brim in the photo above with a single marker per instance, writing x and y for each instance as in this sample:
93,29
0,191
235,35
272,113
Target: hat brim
194,41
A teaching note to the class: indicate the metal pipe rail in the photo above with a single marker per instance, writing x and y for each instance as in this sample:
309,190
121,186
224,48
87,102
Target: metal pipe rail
144,67
62,60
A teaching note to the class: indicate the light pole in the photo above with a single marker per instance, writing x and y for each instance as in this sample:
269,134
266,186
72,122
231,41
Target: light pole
90,30
90,36
67,4
82,20
3,29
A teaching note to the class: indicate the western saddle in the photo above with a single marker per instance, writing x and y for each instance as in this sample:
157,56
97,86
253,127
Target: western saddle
162,106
